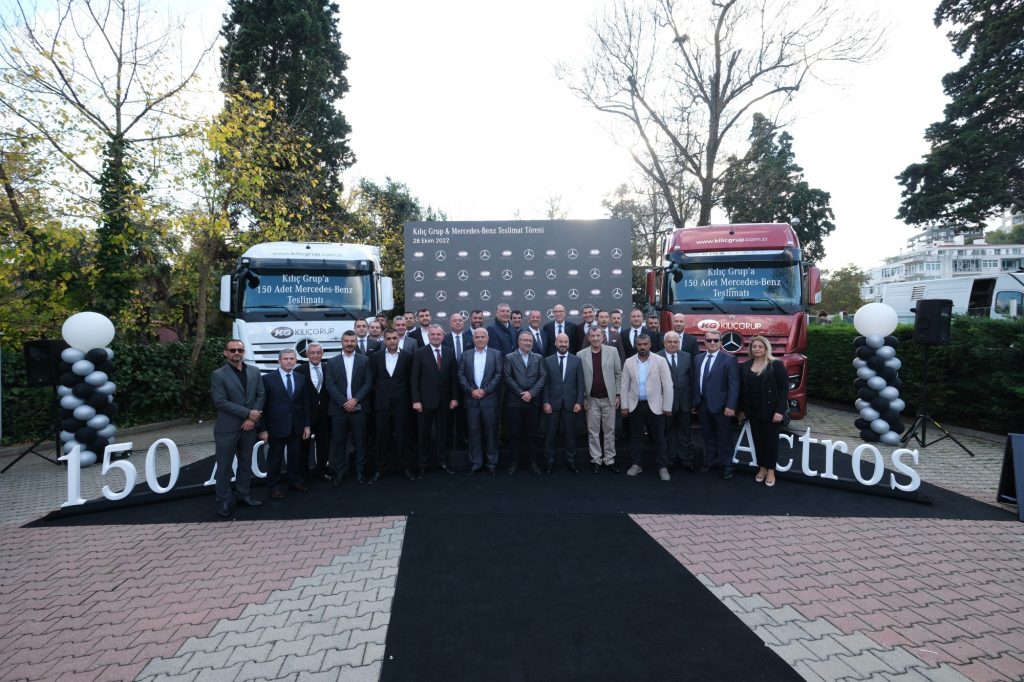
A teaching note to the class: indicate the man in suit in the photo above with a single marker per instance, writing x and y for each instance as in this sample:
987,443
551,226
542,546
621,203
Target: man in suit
560,326
460,340
687,342
476,319
433,399
377,332
630,333
616,320
349,382
589,314
611,337
480,373
716,395
365,343
499,333
422,330
562,400
653,326
516,320
524,378
238,395
392,372
602,378
540,344
405,340
285,423
315,372
647,399
677,424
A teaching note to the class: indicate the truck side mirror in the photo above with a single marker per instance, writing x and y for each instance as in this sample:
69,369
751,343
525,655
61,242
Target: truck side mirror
813,285
225,294
387,293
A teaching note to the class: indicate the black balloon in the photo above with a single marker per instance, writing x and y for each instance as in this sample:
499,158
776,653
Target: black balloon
63,367
890,415
867,394
898,426
859,341
97,445
69,379
868,436
865,352
876,363
98,402
892,341
889,374
106,367
111,410
879,403
83,390
85,434
860,383
96,356
897,383
861,423
70,424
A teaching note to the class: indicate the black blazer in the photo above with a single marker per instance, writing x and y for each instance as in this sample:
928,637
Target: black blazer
337,382
391,391
285,415
431,386
682,381
467,340
688,342
774,385
318,402
562,395
570,330
372,345
501,338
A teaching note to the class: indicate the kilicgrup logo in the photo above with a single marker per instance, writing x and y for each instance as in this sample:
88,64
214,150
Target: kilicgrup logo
708,325
281,332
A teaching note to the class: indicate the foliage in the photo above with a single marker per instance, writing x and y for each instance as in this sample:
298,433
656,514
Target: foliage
841,289
976,381
975,168
1015,235
767,186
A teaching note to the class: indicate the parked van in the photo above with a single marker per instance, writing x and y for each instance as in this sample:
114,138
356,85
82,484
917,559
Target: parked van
995,297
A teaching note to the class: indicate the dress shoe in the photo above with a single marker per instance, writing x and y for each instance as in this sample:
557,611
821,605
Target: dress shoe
726,474
409,476
421,473
492,472
634,470
301,487
360,479
547,471
536,469
572,468
223,510
276,495
512,470
613,467
597,468
472,472
248,501
336,481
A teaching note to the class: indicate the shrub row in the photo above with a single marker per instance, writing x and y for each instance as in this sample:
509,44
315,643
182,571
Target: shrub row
975,381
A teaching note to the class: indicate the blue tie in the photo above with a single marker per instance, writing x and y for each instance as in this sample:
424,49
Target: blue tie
291,389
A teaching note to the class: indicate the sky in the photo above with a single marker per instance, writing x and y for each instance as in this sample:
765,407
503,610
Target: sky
459,100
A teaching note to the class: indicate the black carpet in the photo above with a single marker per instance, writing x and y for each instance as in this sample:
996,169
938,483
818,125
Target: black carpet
558,597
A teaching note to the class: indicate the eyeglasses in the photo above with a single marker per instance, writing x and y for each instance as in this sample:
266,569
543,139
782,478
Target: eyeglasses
236,350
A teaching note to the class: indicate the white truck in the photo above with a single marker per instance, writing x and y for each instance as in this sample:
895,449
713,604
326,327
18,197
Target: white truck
995,297
282,295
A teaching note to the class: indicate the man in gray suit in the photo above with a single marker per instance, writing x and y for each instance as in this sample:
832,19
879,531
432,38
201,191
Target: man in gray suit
480,379
677,424
602,378
524,381
238,395
563,400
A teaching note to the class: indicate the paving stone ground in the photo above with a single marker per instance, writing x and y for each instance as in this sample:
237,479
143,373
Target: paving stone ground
838,599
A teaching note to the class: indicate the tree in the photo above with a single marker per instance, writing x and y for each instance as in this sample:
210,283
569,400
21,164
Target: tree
975,168
1015,235
683,79
91,80
290,51
767,186
841,289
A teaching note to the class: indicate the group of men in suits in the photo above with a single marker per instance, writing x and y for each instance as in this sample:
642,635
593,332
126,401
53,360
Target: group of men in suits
405,389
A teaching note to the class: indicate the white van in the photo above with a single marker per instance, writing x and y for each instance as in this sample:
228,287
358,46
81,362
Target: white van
996,297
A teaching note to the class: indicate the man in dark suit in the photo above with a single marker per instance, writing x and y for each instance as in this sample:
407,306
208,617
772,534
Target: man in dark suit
653,326
677,424
611,336
687,342
392,370
433,399
499,333
524,377
320,425
533,326
405,340
589,315
285,423
635,329
421,331
460,340
480,372
365,343
716,395
560,325
562,399
349,381
238,395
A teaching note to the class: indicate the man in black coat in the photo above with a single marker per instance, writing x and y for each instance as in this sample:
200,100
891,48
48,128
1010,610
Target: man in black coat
524,376
285,423
349,381
392,371
562,399
365,343
500,335
433,398
315,372
687,342
560,325
677,425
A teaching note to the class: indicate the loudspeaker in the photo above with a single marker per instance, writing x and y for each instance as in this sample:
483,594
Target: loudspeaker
931,321
42,361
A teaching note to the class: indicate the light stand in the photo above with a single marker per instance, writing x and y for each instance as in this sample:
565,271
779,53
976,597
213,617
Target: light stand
919,431
32,448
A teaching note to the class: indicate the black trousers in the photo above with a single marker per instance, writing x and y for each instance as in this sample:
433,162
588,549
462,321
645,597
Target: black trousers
564,421
393,424
275,455
765,434
642,417
432,427
521,422
345,426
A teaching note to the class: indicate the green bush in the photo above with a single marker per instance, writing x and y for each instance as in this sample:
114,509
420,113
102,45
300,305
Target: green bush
152,386
975,381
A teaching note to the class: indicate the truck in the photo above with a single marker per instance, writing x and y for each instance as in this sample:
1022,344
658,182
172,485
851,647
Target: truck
283,295
742,280
993,296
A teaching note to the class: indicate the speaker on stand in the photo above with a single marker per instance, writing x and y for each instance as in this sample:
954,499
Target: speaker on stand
42,368
932,318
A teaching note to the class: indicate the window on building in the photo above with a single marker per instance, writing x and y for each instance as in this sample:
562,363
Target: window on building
966,265
990,264
933,267
1010,264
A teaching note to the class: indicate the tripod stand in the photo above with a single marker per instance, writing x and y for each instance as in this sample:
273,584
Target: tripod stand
32,448
919,431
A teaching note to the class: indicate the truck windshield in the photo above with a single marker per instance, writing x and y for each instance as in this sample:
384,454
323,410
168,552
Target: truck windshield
736,288
298,295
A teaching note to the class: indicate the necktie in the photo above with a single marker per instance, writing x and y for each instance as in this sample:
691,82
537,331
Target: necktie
636,333
561,366
362,346
559,329
707,370
536,340
291,389
458,345
319,378
438,352
673,356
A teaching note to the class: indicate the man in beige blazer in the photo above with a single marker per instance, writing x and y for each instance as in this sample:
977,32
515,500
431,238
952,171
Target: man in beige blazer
602,377
647,400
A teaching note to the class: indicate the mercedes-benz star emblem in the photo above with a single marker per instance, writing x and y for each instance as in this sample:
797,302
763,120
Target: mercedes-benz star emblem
440,256
616,253
595,273
573,254
616,293
506,274
574,294
529,294
732,342
418,275
550,273
528,254
463,275
485,295
441,296
485,255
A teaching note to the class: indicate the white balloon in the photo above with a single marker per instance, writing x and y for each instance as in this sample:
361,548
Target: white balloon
879,426
107,431
70,444
876,383
858,363
890,438
894,363
866,373
88,330
66,437
96,379
110,353
875,341
98,422
869,414
886,352
63,391
890,393
107,388
875,318
70,402
71,355
84,412
83,367
898,405
861,404
87,458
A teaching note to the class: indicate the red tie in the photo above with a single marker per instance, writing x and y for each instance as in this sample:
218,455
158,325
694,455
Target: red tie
438,351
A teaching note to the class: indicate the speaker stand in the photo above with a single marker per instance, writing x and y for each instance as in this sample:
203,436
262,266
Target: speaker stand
919,431
32,448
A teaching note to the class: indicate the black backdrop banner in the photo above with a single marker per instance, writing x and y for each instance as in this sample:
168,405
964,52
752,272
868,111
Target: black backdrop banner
457,266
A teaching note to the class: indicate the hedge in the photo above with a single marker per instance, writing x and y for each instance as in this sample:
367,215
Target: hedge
975,381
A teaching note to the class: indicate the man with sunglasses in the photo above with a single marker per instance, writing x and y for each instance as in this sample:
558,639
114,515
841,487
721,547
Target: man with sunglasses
238,394
716,395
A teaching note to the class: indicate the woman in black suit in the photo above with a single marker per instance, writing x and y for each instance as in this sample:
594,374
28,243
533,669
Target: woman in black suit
764,399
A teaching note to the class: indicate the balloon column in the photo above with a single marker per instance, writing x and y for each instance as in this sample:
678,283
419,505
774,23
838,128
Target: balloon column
86,392
878,383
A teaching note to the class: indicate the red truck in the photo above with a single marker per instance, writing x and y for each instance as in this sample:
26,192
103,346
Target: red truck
743,280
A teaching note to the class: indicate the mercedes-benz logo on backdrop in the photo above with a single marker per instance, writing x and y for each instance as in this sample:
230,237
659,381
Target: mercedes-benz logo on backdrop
550,273
574,294
441,296
616,253
463,275
418,275
573,254
528,254
440,255
485,254
485,295
732,342
529,294
616,293
506,274
595,273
